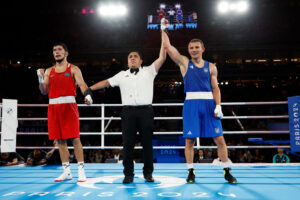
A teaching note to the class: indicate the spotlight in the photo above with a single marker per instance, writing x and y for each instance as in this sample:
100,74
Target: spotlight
223,7
112,10
232,7
178,6
242,6
162,6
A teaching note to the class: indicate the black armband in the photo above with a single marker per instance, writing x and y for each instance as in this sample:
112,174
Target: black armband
88,92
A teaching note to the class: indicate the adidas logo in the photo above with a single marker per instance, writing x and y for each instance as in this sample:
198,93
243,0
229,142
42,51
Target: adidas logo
189,133
217,130
191,66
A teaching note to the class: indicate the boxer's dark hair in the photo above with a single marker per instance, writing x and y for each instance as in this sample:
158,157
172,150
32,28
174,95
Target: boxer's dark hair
64,46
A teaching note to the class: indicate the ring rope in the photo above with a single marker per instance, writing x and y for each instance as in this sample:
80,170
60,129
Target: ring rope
163,133
162,147
103,133
166,118
169,104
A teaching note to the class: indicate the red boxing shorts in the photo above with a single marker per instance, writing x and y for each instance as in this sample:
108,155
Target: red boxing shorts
63,121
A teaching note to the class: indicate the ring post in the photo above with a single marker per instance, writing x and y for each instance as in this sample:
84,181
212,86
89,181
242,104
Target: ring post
102,125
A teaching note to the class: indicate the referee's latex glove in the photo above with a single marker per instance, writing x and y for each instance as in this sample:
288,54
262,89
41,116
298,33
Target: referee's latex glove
218,112
164,23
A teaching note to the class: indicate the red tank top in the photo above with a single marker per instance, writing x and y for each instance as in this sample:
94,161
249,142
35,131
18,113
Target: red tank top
61,84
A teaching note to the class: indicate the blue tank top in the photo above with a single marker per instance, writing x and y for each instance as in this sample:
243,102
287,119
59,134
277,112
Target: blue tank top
197,79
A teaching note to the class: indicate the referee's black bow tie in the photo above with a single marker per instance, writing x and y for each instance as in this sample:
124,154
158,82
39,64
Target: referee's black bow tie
134,70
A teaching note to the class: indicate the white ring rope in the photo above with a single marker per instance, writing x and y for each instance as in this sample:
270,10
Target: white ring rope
103,127
163,147
166,118
164,104
164,133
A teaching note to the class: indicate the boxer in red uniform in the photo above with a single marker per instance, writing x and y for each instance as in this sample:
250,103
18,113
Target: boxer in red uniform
60,82
161,14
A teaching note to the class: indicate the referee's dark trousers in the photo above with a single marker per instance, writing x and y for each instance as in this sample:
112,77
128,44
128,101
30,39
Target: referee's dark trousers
137,119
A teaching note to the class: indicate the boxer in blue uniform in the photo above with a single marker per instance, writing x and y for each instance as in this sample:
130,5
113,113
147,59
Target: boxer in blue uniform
202,111
179,16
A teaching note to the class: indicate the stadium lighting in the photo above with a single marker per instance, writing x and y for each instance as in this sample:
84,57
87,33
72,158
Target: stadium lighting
178,6
242,6
112,10
225,7
232,6
162,6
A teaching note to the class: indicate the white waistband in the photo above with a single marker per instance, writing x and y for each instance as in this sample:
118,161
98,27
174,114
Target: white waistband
65,99
199,95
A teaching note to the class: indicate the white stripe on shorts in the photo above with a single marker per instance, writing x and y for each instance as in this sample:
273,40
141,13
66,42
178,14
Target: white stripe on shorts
64,99
199,95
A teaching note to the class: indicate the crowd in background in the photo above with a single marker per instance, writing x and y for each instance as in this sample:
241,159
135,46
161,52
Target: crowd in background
41,157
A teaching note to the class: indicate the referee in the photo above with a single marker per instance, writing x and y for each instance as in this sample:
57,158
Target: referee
136,86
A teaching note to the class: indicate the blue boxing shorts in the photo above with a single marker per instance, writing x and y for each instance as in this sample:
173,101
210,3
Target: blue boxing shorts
199,119
179,17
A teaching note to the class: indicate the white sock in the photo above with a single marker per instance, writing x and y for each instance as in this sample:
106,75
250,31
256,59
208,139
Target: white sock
80,165
226,164
66,167
190,165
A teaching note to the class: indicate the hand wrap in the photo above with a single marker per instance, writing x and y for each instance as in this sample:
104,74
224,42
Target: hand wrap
218,111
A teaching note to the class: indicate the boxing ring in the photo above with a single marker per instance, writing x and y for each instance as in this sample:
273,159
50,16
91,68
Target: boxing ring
255,181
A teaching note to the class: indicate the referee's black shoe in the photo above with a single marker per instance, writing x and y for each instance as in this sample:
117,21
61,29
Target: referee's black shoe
128,179
191,176
149,178
228,177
